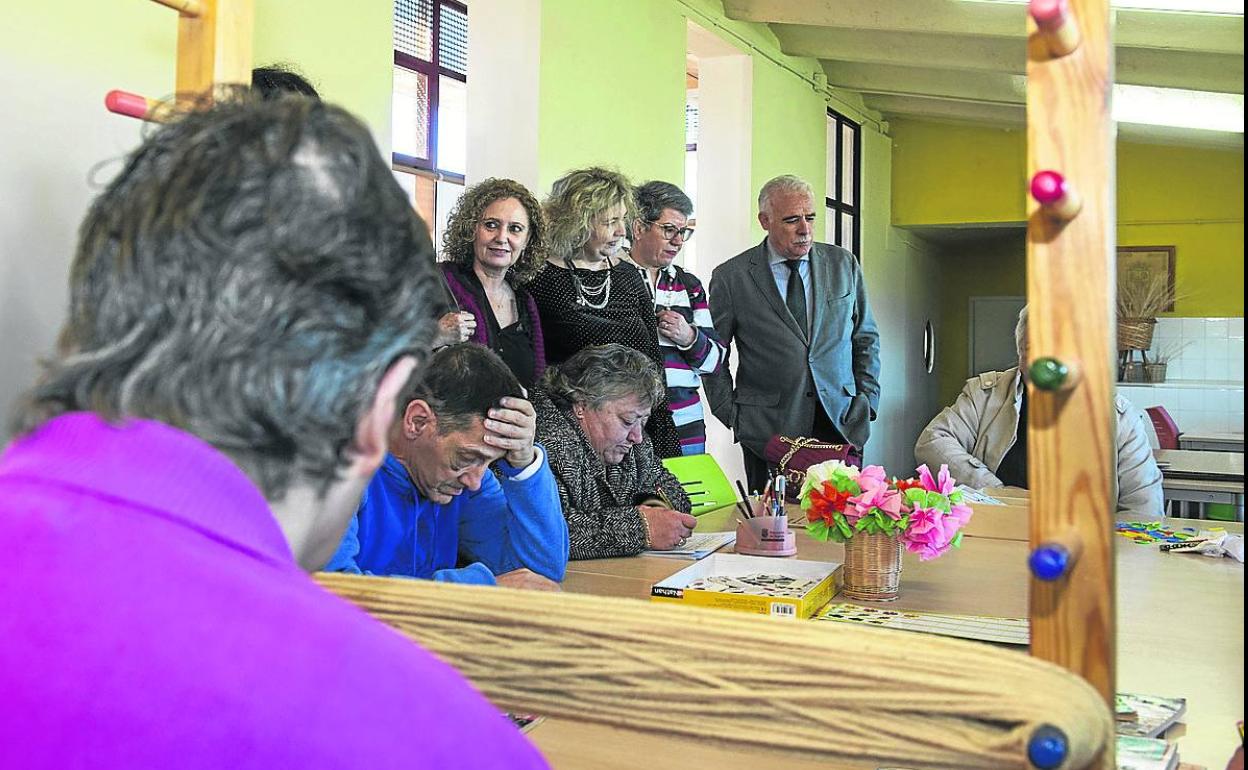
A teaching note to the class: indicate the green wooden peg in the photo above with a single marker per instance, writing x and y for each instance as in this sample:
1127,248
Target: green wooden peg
1050,374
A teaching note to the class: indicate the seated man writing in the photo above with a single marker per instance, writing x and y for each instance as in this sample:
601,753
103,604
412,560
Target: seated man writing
435,503
983,437
618,498
248,297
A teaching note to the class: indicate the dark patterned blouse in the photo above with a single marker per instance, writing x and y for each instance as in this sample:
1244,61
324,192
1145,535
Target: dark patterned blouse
568,302
598,500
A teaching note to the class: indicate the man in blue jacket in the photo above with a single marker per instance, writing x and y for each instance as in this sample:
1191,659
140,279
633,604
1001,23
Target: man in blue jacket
435,509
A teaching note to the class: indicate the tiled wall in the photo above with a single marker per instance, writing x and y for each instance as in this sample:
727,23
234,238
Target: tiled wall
1204,388
1211,349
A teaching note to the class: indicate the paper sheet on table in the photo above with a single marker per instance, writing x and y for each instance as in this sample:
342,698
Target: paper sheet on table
976,496
698,546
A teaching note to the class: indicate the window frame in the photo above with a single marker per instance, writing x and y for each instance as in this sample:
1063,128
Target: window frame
433,72
834,202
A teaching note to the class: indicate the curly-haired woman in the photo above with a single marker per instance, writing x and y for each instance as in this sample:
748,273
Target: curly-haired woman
585,297
495,243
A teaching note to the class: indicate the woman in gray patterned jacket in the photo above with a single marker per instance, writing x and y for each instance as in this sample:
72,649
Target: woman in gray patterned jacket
618,498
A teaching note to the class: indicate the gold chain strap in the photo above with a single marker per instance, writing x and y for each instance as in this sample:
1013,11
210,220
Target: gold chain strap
797,444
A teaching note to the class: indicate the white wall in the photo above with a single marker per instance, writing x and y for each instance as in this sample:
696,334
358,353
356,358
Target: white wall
898,269
59,147
504,56
725,210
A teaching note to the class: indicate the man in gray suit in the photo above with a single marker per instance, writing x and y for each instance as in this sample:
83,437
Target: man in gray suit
807,345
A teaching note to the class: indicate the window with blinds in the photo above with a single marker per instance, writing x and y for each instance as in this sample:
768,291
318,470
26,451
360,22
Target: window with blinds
430,104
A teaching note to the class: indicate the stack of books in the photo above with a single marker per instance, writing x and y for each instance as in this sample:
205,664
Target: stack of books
1140,721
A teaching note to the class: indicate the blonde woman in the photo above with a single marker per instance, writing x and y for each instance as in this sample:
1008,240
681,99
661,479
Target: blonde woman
585,294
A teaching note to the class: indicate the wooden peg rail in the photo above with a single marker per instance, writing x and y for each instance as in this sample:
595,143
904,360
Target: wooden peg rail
1070,259
1057,196
1054,21
214,48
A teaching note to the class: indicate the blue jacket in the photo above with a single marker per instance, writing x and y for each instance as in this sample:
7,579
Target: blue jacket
501,527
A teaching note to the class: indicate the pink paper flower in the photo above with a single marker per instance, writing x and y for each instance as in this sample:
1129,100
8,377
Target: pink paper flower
876,493
928,534
943,484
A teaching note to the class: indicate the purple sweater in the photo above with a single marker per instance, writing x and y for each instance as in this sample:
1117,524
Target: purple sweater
466,294
155,617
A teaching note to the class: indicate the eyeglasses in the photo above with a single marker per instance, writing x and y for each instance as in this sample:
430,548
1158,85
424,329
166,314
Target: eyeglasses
671,231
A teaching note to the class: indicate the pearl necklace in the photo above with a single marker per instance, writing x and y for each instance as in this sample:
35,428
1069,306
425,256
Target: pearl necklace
595,297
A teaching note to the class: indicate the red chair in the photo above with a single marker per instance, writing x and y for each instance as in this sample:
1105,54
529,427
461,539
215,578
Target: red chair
1167,430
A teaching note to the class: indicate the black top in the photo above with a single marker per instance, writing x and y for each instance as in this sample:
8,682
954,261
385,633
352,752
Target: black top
1013,470
513,344
626,317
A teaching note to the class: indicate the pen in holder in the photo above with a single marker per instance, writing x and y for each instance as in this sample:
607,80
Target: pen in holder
765,535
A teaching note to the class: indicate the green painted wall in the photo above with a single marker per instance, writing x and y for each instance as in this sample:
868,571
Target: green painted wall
613,92
1191,198
344,49
952,174
790,131
612,88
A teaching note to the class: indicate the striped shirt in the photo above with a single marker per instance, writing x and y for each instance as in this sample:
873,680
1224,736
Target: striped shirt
679,290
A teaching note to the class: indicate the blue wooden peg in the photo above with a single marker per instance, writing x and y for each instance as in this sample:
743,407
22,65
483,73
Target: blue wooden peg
1047,747
1050,561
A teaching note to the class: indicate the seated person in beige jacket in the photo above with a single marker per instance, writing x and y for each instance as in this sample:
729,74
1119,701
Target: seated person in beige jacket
977,438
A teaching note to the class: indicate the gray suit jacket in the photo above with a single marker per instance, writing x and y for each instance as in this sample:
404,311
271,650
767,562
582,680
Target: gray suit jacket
781,369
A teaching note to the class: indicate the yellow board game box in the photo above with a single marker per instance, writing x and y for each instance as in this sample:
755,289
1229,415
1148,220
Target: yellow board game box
785,588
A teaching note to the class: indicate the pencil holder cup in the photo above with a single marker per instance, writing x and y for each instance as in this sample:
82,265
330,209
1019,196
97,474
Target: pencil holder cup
766,536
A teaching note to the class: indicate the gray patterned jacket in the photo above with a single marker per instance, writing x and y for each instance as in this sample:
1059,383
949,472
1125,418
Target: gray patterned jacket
597,499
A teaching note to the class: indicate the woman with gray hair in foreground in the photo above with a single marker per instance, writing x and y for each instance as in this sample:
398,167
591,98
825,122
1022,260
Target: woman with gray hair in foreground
618,498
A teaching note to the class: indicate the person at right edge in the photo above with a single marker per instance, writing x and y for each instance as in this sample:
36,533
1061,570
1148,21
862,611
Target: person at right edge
807,345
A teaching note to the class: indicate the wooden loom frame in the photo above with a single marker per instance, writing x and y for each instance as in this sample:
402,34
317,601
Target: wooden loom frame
1070,260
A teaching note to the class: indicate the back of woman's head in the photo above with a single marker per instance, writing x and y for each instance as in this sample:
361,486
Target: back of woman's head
248,277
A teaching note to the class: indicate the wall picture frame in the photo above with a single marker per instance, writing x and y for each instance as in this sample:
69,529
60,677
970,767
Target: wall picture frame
1141,266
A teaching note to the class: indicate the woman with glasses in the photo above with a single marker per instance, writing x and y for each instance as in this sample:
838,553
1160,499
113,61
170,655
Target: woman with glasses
585,295
495,243
687,337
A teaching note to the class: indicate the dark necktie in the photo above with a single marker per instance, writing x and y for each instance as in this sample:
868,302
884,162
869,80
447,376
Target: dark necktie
795,294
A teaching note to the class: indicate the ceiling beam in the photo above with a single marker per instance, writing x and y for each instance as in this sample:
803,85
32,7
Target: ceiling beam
912,49
1007,115
991,87
927,108
1134,66
1210,33
1180,69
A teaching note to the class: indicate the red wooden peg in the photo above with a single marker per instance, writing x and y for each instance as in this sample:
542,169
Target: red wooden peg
1058,197
133,105
1057,25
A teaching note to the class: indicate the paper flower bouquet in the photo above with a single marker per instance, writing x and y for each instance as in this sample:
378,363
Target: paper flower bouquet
924,514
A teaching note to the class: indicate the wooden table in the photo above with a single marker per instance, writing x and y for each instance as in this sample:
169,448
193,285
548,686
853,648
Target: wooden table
1180,633
1213,442
1190,476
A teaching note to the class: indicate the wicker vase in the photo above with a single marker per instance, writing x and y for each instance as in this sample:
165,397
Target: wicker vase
1135,333
872,567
